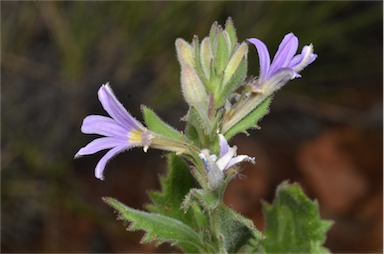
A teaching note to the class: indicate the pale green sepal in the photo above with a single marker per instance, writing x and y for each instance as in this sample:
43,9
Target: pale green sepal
155,124
213,32
235,82
206,57
251,120
158,228
198,61
240,54
184,52
293,223
230,29
221,53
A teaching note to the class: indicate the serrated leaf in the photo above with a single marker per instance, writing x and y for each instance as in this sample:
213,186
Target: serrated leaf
235,229
175,185
155,124
158,228
251,120
293,223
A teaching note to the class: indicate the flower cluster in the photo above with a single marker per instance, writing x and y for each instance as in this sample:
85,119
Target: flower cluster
121,131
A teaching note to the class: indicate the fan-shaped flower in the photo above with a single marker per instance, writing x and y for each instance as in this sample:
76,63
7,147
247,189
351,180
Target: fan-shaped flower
285,65
122,131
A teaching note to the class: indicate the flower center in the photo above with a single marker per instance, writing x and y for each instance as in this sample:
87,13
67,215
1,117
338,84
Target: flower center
136,136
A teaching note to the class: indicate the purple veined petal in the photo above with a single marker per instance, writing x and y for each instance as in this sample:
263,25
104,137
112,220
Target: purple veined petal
307,58
239,159
279,79
223,161
295,60
286,51
102,125
115,109
224,147
100,144
104,160
264,58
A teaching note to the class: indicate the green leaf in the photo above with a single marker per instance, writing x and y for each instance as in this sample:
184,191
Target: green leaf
205,198
175,185
235,229
251,120
155,124
159,228
192,134
293,223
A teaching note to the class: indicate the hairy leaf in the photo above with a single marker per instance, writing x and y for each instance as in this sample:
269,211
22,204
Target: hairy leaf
175,185
235,229
155,124
159,228
250,121
293,223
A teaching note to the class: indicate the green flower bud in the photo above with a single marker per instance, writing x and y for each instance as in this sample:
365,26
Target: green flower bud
184,52
193,88
240,54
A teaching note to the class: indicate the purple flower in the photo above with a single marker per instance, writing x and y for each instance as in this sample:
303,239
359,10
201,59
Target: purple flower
285,65
122,131
227,157
216,167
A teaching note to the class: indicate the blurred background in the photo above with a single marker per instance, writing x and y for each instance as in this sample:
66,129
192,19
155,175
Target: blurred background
324,130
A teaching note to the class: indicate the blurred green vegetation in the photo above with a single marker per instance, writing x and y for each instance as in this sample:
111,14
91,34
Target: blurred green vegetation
55,55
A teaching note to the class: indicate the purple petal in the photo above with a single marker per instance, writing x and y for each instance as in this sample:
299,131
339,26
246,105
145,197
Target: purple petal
103,125
223,161
104,160
307,57
287,49
239,159
279,79
224,147
264,58
101,144
295,60
115,109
